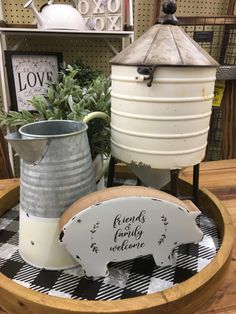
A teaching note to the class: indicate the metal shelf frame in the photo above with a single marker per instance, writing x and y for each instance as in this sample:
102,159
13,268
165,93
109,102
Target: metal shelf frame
28,32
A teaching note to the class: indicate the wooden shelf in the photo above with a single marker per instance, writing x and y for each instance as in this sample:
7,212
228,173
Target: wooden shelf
62,32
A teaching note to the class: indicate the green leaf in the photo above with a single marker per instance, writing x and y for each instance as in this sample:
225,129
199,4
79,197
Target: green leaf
70,102
27,115
78,91
50,94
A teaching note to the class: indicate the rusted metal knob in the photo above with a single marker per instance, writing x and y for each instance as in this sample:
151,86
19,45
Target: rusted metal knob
169,8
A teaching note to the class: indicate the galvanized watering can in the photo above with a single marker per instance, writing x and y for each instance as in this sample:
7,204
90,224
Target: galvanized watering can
56,170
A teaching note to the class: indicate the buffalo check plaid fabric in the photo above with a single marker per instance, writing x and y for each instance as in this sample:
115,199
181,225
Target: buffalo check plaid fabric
127,279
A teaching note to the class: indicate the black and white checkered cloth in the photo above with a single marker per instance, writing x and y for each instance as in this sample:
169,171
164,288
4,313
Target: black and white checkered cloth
127,279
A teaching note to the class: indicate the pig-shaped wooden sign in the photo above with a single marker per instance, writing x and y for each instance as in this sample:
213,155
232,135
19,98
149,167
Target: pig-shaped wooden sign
123,223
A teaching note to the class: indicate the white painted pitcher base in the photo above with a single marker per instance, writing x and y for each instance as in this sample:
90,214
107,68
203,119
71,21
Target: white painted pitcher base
39,243
47,268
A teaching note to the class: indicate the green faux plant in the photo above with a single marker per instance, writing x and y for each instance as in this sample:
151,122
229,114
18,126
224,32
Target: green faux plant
85,74
78,92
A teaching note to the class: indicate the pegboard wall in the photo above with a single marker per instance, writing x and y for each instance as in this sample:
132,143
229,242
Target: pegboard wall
14,12
144,11
202,7
96,52
93,51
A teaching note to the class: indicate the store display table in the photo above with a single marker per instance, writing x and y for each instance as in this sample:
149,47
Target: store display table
225,189
219,177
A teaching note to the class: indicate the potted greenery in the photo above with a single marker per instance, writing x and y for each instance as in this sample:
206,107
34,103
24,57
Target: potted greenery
79,91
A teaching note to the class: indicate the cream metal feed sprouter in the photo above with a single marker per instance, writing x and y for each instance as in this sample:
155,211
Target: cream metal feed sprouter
162,92
166,125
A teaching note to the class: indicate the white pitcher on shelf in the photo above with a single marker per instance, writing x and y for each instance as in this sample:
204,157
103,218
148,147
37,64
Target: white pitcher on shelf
57,16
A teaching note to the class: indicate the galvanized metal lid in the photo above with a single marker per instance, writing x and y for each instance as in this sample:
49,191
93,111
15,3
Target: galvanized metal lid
165,44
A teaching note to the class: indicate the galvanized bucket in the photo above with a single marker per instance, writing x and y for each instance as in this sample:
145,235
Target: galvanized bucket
56,170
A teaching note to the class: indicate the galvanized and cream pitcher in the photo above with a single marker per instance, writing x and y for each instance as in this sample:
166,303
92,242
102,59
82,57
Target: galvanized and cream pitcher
56,170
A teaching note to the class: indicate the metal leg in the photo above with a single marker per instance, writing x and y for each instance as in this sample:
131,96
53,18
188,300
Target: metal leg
196,169
111,172
174,174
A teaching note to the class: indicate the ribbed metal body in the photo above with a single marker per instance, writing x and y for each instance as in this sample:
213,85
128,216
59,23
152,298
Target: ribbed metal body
64,174
164,126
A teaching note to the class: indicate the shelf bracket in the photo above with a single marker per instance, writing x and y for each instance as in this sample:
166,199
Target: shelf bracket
113,49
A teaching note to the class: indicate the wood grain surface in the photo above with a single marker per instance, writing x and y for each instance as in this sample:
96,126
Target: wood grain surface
5,166
9,194
220,177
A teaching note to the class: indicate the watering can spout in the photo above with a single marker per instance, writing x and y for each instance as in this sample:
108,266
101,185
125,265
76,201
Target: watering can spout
30,150
30,5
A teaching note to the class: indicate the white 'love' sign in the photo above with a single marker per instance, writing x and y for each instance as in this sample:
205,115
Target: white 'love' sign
126,227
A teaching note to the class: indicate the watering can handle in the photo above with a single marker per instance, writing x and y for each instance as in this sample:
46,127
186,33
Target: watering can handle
74,1
96,115
104,116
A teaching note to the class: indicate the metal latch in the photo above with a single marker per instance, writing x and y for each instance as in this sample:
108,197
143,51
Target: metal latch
147,74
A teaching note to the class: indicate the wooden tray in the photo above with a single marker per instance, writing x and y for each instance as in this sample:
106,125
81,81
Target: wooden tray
183,298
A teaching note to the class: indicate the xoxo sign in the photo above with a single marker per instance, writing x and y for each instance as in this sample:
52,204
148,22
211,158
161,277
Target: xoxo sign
101,15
